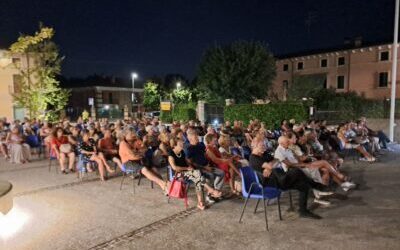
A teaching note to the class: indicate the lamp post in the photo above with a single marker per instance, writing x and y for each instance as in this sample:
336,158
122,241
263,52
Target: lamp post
133,76
394,72
178,85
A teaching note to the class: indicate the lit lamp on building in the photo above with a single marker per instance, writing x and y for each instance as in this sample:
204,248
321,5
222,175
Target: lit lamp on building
133,76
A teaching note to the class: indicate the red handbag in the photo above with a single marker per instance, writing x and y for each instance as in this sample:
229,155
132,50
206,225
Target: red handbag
178,190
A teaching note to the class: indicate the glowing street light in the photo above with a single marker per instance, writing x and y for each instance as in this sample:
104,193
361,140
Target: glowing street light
178,85
133,76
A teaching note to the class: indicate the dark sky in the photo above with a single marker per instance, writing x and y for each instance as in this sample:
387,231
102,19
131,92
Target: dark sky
159,37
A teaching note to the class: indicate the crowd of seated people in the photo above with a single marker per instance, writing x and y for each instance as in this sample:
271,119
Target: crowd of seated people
304,156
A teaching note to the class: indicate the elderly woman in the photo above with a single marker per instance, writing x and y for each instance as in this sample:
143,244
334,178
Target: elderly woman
87,148
62,148
131,153
20,152
179,164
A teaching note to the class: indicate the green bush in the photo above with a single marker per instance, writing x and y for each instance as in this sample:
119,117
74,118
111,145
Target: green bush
271,114
166,116
184,112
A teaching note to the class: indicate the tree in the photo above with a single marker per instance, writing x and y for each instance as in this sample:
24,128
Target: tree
182,95
242,71
151,96
39,90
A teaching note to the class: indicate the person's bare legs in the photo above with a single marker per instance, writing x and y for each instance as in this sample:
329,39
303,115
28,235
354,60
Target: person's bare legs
322,164
103,159
100,165
71,160
363,152
62,161
118,162
154,178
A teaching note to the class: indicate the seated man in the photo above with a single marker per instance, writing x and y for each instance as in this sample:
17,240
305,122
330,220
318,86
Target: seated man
273,176
289,161
196,155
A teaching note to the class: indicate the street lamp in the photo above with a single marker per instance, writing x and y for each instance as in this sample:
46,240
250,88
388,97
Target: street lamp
178,85
133,76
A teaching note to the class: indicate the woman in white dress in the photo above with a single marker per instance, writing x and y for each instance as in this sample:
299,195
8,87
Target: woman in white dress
20,152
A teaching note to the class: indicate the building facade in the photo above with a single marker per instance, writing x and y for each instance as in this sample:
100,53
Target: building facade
363,69
10,81
104,101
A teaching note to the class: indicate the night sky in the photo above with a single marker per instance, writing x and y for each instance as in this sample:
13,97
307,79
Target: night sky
160,37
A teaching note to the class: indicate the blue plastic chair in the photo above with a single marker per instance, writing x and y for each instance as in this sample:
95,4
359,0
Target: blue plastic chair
81,166
34,142
52,157
129,171
252,189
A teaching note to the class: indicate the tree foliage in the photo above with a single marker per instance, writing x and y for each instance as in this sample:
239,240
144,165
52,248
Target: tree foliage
152,95
242,71
39,90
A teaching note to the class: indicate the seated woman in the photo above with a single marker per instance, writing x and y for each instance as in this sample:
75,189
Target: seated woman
226,165
226,151
177,161
132,153
348,144
62,148
87,148
45,133
109,149
3,137
20,152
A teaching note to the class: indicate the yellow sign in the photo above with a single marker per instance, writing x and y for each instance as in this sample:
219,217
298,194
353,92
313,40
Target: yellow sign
166,106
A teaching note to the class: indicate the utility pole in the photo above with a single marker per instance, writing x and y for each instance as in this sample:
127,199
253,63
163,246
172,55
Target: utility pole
394,71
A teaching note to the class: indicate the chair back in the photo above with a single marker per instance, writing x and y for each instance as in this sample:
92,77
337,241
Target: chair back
249,177
33,141
171,173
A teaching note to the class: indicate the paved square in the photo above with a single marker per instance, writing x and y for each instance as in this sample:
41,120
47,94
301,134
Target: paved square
59,212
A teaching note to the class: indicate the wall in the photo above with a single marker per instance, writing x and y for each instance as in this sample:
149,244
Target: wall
383,124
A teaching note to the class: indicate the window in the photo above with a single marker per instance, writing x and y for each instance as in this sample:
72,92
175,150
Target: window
110,98
324,63
341,61
16,60
17,83
285,67
384,56
300,65
285,84
383,79
340,82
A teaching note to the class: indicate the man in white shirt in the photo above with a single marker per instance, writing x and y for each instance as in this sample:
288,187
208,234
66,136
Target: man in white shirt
288,160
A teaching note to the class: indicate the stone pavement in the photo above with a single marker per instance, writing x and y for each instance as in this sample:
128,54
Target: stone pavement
54,211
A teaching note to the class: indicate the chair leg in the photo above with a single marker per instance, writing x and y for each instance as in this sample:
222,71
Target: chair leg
265,214
279,209
49,165
244,207
122,181
140,178
133,183
152,185
255,209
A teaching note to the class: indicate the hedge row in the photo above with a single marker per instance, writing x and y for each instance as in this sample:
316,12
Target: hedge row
271,114
180,112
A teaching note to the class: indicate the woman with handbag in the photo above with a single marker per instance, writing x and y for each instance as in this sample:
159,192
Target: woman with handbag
62,148
179,164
